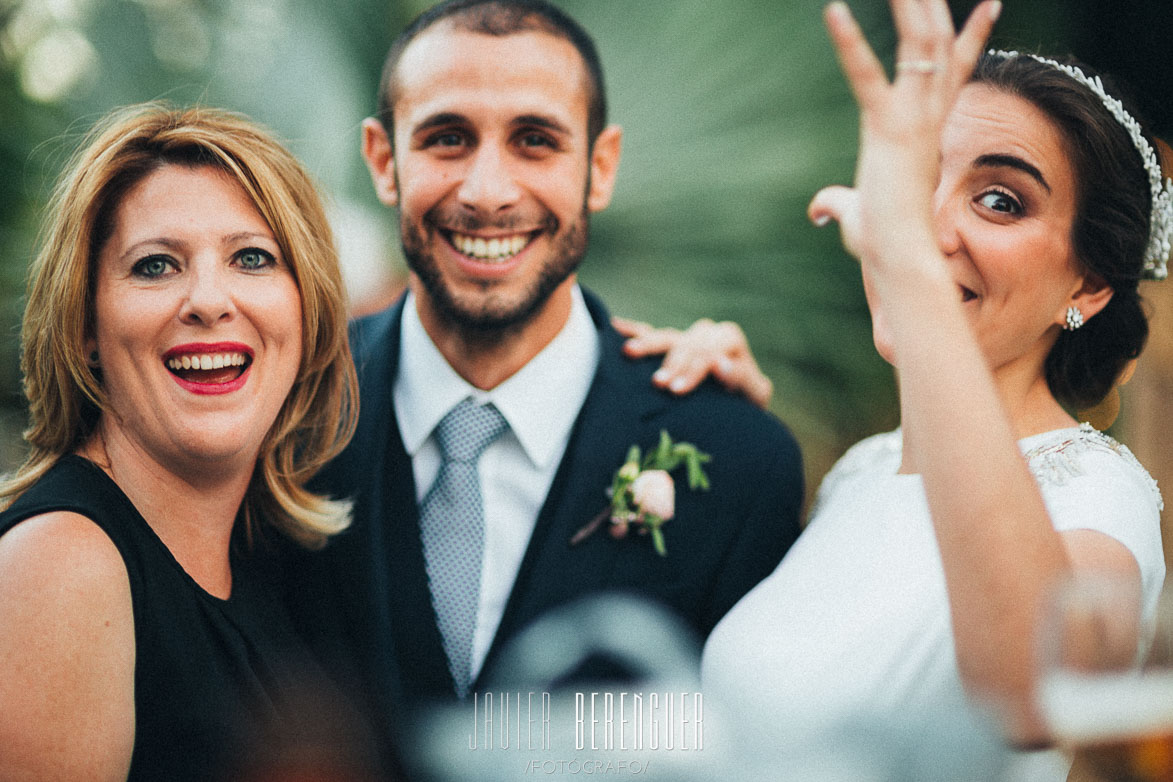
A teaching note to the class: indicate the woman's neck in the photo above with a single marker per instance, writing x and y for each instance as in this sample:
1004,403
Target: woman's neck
193,511
1030,407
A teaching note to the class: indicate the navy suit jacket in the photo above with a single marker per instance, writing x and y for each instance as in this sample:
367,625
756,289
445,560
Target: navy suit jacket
364,599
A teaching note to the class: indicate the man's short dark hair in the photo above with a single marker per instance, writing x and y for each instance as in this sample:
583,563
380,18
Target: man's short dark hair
500,18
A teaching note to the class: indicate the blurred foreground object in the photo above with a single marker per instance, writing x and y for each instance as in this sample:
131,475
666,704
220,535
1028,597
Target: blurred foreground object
549,711
1115,715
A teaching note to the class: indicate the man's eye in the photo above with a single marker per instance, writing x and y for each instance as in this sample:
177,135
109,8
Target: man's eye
446,140
255,258
535,140
152,266
997,201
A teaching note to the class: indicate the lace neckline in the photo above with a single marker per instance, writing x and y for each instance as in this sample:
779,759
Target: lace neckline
1057,459
1053,457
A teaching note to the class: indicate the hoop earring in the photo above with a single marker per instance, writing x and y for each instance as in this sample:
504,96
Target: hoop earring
1074,319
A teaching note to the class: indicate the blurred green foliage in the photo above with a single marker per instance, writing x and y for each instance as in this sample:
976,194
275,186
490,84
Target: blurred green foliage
734,114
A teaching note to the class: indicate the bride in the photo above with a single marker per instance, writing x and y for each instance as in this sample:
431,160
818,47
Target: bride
1005,207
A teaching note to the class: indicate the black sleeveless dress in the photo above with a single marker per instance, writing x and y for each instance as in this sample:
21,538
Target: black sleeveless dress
213,677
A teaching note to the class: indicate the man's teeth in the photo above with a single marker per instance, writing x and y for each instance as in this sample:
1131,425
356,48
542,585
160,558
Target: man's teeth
495,249
207,361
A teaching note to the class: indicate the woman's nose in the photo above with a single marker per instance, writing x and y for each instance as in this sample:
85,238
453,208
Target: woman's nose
209,299
945,223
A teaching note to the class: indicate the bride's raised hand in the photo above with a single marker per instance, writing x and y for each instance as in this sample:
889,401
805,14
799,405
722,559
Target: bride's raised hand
889,212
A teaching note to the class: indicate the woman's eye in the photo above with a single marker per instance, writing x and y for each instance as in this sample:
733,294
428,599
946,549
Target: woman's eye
254,258
152,266
997,201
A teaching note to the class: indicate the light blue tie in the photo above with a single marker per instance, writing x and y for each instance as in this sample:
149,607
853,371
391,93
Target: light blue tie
452,527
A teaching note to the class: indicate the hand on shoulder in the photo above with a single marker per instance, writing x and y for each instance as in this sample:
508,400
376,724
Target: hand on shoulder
704,349
66,651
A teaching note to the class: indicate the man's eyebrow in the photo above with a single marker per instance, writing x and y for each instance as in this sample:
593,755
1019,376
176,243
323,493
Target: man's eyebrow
538,120
448,118
442,119
1015,162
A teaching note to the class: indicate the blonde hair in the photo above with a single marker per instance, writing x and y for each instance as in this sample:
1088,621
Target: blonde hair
66,396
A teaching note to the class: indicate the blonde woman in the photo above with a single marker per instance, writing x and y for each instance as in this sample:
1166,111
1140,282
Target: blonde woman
186,367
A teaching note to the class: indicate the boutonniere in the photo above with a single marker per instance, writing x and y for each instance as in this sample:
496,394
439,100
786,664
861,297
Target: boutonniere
643,493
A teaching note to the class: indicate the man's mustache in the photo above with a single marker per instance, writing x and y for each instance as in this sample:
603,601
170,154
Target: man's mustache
450,219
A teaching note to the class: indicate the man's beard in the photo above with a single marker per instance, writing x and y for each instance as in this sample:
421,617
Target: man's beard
489,318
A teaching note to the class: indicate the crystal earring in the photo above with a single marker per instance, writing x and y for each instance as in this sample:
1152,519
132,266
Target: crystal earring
1074,319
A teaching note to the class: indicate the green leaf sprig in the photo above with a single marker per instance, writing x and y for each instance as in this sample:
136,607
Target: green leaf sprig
623,511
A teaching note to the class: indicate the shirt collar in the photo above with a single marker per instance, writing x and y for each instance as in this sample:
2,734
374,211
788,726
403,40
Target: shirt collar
540,401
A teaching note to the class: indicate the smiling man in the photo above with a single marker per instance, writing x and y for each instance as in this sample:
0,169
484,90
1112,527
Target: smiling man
491,142
487,147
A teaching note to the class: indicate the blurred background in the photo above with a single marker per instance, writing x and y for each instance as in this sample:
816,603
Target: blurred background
734,113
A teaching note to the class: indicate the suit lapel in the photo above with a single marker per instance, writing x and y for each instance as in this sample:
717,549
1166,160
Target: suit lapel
608,424
400,572
613,417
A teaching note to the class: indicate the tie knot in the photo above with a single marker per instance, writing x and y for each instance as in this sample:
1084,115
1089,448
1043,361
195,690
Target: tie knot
468,429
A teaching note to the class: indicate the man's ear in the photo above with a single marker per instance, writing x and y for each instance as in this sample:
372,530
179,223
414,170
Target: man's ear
377,152
1090,297
604,166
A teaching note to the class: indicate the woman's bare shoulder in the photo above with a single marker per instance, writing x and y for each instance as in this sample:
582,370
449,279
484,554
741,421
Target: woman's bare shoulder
59,546
66,651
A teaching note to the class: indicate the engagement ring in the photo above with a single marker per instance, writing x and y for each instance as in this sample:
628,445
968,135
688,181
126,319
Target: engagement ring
919,66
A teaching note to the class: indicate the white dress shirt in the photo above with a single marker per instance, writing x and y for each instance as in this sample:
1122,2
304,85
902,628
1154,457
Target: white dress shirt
540,401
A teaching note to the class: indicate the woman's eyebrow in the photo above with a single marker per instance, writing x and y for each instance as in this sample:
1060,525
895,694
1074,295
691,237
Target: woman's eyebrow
1012,161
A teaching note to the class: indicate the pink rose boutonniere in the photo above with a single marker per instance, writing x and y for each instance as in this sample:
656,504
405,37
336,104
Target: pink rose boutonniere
643,492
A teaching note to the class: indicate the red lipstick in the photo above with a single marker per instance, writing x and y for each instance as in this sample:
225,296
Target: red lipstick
224,380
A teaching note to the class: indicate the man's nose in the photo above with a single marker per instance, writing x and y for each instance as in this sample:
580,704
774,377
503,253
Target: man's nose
489,185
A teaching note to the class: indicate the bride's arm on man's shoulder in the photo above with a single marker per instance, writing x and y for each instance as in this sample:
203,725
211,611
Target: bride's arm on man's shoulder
705,349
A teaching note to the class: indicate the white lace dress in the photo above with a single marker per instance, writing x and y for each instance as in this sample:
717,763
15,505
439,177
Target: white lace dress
841,665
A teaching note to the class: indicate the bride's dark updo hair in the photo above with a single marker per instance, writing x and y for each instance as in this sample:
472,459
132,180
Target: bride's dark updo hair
1110,233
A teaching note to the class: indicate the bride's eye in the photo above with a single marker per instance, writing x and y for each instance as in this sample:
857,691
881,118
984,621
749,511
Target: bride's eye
999,201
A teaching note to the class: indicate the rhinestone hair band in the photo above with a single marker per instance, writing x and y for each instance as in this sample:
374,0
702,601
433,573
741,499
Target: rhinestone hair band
1161,219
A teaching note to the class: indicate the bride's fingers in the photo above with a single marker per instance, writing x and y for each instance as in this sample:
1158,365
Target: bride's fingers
631,328
830,203
914,33
931,83
940,17
865,75
941,20
971,40
925,30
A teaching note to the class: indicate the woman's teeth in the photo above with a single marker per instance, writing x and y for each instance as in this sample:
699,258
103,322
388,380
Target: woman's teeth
493,250
207,361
